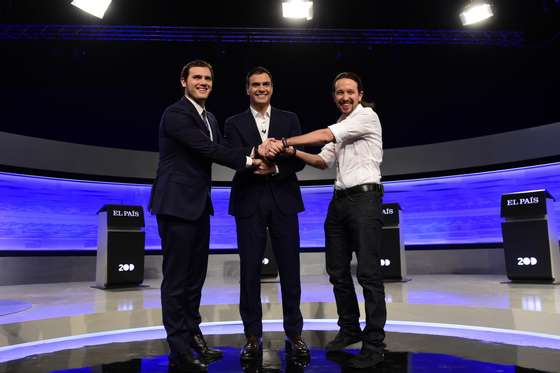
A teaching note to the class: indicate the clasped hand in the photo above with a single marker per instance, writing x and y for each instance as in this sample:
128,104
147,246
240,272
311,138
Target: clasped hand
267,151
271,147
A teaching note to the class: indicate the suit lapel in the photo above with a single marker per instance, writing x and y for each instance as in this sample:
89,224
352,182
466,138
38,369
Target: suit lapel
192,110
215,130
254,137
275,128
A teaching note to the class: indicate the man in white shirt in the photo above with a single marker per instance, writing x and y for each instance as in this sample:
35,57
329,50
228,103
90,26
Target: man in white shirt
353,222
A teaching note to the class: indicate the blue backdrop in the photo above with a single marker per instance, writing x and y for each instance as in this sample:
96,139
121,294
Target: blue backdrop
41,213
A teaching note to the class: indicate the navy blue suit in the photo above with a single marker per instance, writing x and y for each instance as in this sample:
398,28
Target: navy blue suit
181,200
261,202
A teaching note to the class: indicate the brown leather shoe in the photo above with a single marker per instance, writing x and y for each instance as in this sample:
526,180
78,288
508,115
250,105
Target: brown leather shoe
206,354
296,347
252,349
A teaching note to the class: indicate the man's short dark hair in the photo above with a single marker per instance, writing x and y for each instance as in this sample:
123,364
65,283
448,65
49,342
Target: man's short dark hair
349,75
196,63
256,71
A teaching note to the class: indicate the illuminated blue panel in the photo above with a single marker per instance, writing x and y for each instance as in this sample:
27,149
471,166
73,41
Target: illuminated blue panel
40,213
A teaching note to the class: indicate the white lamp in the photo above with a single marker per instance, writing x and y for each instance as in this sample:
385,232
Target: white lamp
475,12
93,7
297,9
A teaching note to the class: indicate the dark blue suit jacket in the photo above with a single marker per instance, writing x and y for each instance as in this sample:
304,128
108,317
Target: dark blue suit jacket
241,131
186,153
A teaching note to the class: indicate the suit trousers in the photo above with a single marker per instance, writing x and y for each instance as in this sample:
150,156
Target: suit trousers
251,240
185,246
354,223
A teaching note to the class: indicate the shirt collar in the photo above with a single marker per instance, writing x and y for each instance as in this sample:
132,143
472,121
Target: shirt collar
354,112
256,114
198,108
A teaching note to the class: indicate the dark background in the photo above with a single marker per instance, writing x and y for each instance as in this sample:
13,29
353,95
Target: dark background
112,93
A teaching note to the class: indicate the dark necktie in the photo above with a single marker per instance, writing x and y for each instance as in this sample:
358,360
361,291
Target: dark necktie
205,120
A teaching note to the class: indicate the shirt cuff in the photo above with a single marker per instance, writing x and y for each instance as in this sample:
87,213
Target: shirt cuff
276,170
249,162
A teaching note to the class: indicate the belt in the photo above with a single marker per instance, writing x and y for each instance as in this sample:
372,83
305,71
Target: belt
362,188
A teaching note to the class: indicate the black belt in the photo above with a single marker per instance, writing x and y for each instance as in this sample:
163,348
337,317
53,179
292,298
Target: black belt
362,188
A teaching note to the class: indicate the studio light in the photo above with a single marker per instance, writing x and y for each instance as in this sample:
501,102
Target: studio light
93,7
297,9
476,11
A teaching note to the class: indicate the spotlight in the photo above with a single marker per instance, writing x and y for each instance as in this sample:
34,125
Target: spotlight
476,11
297,9
93,7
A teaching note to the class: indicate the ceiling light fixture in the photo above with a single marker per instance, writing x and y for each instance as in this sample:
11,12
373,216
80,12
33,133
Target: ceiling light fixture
475,12
93,7
297,9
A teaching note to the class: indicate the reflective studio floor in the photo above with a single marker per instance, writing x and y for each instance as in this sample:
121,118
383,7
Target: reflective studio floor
150,356
436,323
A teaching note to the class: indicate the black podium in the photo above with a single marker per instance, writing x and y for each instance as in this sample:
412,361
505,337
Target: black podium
393,259
530,242
120,246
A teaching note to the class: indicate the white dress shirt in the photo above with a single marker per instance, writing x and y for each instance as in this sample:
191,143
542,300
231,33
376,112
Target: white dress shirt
358,150
202,112
263,122
263,125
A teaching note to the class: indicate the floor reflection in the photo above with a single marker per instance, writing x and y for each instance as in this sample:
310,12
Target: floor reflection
151,357
276,361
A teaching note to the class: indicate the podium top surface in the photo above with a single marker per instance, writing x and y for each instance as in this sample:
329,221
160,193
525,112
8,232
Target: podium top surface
123,216
531,203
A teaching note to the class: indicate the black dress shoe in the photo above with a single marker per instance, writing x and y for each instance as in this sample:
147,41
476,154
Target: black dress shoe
207,354
296,347
342,340
252,349
186,362
365,359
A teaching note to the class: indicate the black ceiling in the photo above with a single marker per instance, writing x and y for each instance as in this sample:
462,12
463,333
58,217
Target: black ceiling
532,16
424,93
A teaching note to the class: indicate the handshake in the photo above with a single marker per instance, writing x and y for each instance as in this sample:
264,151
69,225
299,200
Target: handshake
271,148
267,151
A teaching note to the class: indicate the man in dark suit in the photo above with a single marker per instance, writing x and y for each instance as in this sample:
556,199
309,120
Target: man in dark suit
189,141
269,198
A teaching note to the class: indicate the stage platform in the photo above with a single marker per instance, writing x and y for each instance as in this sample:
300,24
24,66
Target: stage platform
472,317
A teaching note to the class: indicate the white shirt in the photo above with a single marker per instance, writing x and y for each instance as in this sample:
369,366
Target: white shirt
200,110
263,122
358,150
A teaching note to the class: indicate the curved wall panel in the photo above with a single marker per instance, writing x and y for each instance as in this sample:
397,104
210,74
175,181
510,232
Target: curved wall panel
44,214
40,154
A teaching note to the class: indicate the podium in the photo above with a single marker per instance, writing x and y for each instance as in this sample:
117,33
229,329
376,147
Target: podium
530,241
120,246
393,259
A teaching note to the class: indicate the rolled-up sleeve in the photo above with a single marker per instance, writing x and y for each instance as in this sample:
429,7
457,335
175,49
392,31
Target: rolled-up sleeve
355,126
328,154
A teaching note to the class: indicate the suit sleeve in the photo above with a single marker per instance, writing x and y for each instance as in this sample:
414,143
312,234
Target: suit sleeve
232,139
290,165
181,126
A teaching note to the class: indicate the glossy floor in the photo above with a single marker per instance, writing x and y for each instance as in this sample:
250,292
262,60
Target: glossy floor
151,356
454,312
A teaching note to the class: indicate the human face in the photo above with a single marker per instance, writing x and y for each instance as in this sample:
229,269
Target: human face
346,95
259,90
198,84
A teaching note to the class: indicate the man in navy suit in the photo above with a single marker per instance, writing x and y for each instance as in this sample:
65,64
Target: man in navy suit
189,141
269,198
